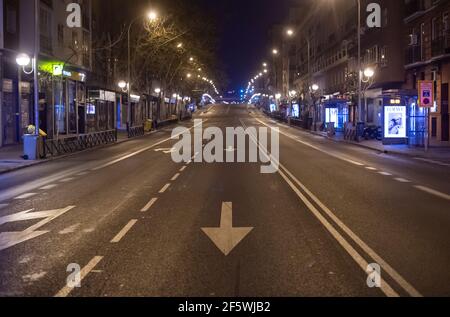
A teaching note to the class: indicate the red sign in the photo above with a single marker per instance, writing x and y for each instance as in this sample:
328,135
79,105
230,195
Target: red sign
426,93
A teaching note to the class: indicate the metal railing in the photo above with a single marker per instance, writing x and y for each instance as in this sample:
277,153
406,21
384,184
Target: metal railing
74,144
136,131
413,54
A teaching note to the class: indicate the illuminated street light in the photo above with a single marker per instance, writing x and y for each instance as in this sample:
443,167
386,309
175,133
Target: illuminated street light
290,32
158,90
315,87
275,52
369,72
191,59
122,84
189,75
152,15
23,60
180,45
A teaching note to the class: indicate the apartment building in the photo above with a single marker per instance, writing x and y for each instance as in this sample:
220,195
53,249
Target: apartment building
427,57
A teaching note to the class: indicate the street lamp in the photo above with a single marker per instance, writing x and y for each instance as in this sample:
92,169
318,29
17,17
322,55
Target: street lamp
368,73
189,75
315,87
290,32
151,16
23,60
158,90
275,51
180,45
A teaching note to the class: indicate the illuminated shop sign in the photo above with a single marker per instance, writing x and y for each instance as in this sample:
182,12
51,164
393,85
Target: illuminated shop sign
395,122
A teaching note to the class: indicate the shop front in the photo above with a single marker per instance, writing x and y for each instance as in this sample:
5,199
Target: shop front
100,110
17,104
336,112
62,100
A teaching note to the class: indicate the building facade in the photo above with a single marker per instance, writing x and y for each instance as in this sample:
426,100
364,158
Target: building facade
427,57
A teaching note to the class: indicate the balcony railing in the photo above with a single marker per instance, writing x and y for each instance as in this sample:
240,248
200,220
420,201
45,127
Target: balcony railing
413,54
441,45
414,7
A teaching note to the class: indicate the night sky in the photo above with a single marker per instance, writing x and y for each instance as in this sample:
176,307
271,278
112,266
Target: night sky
244,38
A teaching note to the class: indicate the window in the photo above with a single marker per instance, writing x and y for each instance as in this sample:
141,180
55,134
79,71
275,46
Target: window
45,23
61,34
11,20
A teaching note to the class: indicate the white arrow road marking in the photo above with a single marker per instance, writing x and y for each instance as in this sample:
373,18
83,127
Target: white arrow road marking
226,238
166,150
9,239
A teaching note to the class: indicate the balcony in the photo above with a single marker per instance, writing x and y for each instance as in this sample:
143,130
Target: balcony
414,8
413,54
440,46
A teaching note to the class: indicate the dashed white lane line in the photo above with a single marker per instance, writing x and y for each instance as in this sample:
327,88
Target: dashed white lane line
120,159
66,180
402,180
48,187
149,204
371,168
182,169
66,290
124,231
25,196
82,174
162,191
385,173
433,192
174,178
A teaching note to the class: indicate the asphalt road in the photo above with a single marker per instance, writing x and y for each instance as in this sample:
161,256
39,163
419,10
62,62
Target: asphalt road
139,224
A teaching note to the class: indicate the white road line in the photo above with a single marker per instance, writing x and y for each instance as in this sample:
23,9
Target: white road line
371,168
431,161
182,169
314,147
124,231
402,180
120,159
66,290
355,255
82,173
362,263
25,196
149,204
433,192
385,173
174,178
164,188
48,187
66,180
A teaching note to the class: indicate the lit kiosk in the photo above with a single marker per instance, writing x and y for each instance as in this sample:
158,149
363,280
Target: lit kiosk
402,119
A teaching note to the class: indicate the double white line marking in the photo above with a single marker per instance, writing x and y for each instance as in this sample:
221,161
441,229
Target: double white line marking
308,198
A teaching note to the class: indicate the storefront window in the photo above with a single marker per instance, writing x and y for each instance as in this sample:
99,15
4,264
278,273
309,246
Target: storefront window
60,109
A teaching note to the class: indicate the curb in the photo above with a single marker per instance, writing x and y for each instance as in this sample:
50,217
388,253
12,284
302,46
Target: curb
357,144
43,161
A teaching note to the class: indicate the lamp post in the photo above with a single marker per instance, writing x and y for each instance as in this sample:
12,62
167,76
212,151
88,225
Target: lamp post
360,118
151,16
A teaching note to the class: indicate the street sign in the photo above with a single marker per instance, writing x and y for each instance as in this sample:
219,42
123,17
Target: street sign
426,93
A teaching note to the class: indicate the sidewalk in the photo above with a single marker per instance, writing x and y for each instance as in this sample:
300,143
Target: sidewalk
434,153
11,156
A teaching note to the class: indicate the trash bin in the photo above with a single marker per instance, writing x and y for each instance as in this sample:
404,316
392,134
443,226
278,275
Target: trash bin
30,147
